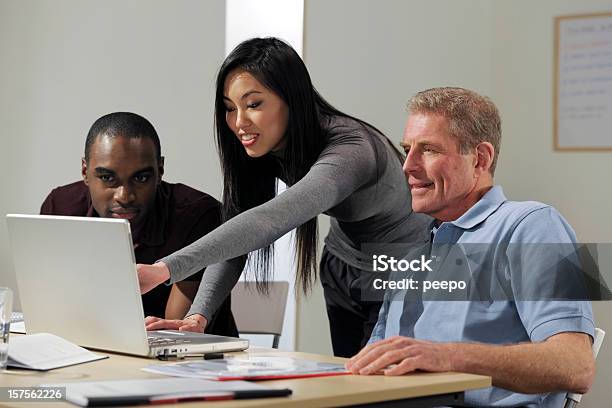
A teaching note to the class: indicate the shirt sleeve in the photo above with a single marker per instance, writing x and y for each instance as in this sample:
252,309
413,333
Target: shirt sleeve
217,283
544,252
340,170
378,333
47,206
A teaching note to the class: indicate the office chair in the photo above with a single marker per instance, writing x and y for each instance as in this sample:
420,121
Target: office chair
257,313
571,400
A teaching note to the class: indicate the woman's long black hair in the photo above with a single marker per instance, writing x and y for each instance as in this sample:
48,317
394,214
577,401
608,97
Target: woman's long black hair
249,182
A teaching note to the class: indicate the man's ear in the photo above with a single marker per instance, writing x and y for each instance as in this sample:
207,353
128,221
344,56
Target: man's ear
161,167
485,153
84,171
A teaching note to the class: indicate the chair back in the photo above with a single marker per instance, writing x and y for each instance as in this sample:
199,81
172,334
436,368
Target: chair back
573,399
257,313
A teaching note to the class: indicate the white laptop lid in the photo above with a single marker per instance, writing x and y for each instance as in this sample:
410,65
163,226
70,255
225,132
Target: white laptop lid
77,279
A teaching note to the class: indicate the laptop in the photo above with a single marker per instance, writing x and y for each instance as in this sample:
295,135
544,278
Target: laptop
77,279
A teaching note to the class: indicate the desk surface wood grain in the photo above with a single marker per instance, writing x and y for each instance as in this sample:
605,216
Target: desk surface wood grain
307,392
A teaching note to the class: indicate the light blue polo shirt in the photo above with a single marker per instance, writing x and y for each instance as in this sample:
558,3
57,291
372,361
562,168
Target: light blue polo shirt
493,220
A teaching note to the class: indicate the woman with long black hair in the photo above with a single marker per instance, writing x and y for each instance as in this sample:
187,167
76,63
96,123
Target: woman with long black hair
271,123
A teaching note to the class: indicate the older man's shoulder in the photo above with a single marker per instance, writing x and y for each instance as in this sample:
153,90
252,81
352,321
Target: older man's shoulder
536,220
531,209
521,209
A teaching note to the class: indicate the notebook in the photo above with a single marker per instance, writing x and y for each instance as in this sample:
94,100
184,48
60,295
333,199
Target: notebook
161,391
45,351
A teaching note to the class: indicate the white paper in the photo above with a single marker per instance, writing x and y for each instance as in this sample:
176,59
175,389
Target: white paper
18,327
45,351
245,367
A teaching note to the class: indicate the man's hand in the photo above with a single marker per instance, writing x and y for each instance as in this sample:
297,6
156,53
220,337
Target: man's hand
403,354
149,276
193,323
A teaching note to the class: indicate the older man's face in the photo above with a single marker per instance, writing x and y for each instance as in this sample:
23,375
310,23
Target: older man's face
441,179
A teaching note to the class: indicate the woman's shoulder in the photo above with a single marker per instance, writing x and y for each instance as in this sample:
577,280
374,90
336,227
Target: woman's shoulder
345,124
344,129
357,144
348,131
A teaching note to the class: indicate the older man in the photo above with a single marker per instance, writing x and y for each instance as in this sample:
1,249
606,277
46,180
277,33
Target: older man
531,348
122,178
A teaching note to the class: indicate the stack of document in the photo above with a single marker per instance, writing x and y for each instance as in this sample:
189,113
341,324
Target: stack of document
161,391
248,368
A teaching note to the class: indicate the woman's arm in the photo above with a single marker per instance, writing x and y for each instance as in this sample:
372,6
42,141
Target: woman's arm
341,169
217,283
339,172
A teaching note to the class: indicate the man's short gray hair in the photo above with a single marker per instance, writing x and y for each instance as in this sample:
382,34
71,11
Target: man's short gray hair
472,118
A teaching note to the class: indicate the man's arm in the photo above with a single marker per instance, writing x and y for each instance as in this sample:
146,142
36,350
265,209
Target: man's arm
183,293
216,285
178,305
180,299
562,362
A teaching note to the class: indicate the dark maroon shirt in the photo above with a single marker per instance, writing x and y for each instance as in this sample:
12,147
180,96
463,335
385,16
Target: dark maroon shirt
179,216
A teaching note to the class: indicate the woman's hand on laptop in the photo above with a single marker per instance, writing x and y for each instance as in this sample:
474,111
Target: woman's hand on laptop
193,323
150,276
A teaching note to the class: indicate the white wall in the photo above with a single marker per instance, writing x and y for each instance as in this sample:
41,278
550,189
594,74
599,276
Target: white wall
368,57
283,19
64,63
266,18
576,183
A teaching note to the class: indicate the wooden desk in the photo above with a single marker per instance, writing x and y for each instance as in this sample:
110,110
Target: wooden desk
346,390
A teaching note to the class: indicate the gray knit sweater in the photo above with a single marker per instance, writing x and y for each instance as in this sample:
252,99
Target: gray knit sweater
357,180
